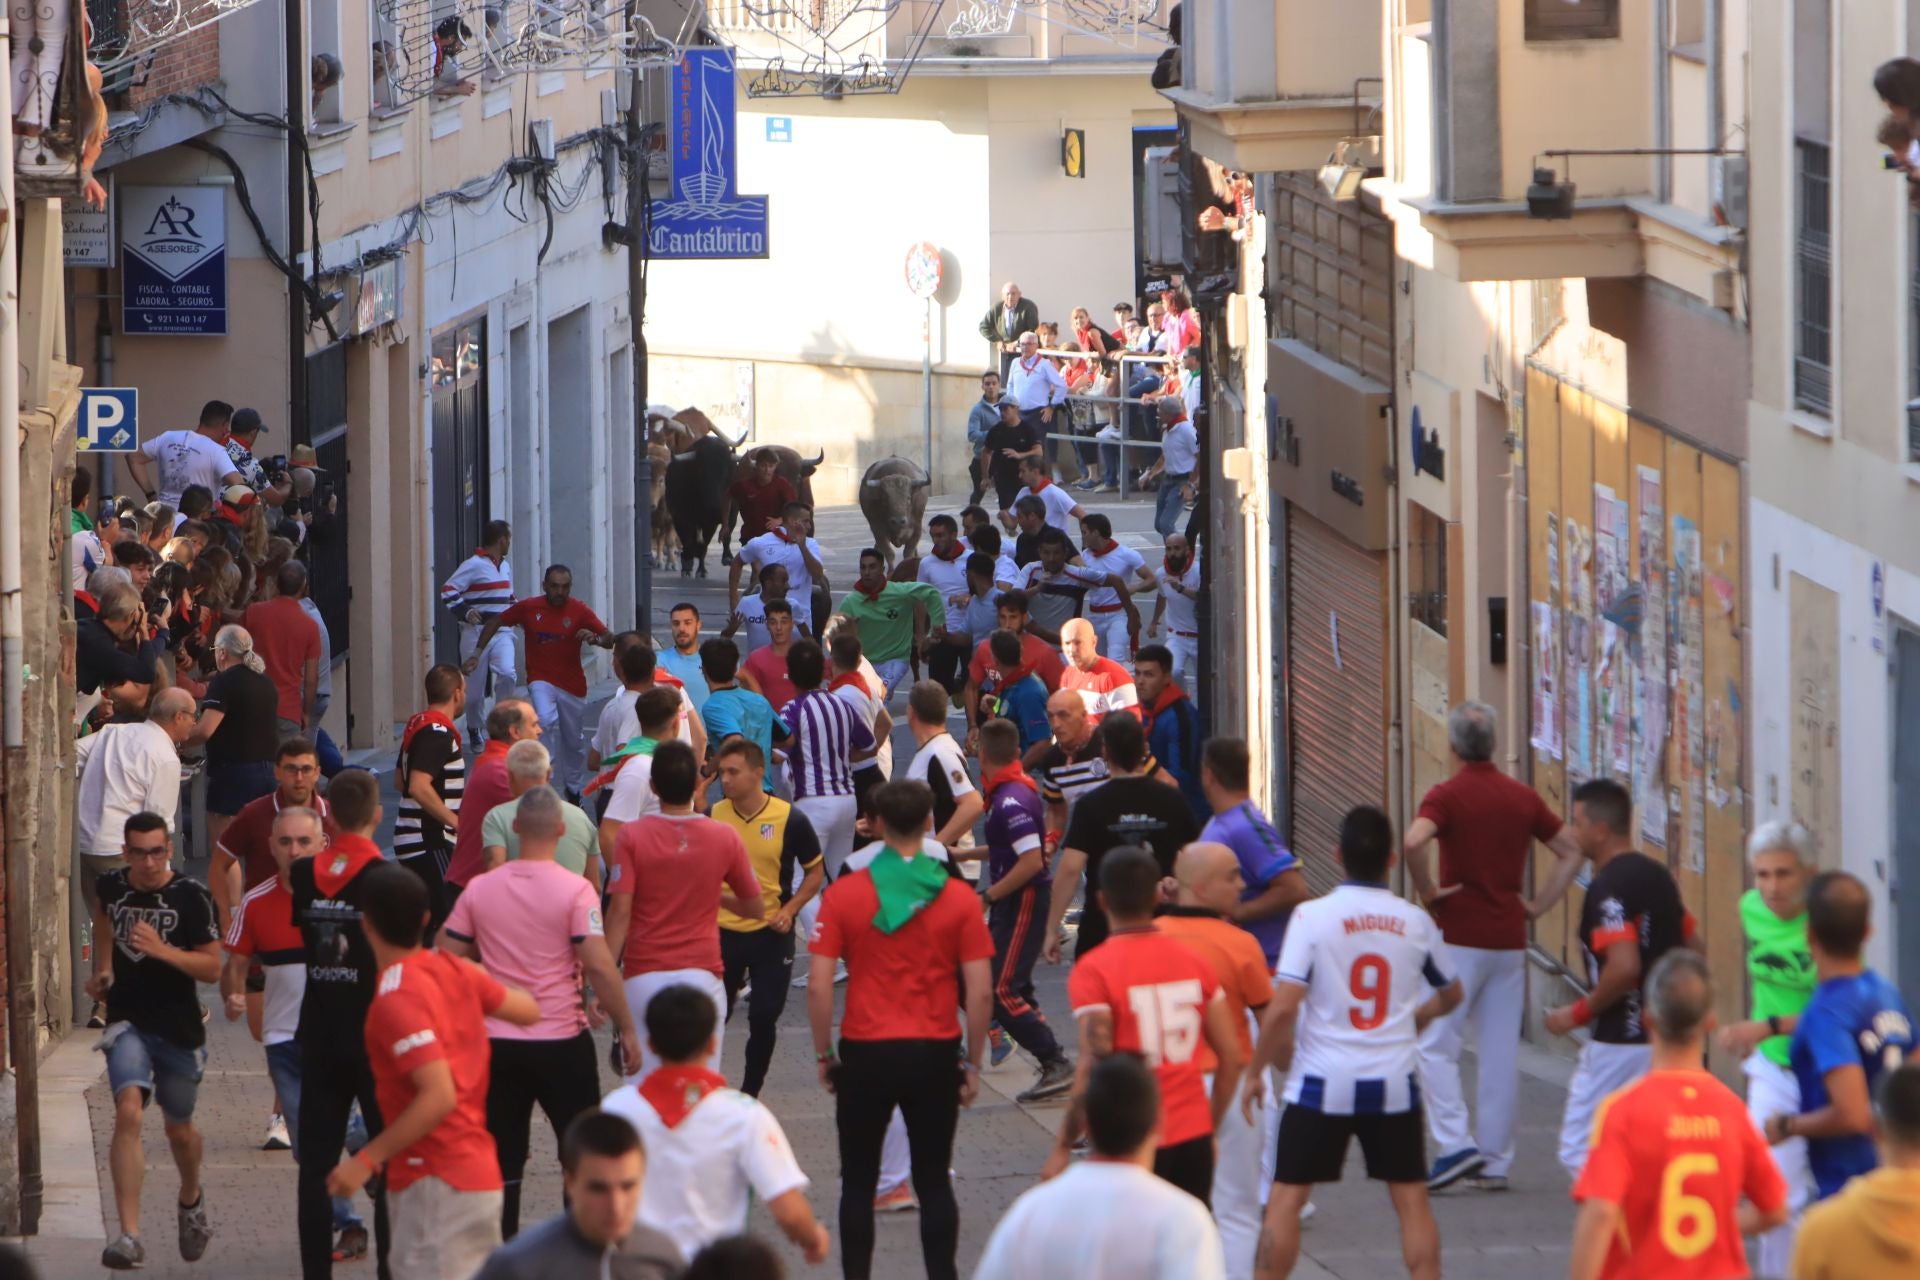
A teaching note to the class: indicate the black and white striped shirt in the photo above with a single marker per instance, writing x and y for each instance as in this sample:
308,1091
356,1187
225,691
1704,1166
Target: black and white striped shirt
434,751
826,733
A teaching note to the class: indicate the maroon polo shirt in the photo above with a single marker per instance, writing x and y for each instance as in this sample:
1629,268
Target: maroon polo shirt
1487,825
248,839
486,787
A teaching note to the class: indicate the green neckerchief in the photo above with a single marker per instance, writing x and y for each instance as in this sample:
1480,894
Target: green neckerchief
904,886
638,746
80,522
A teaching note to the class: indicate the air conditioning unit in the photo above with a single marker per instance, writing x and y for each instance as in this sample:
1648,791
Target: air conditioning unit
1165,248
540,140
1729,181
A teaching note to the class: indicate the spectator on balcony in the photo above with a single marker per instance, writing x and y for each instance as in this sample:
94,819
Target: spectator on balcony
325,75
1122,320
387,66
1003,325
1181,323
1897,81
449,38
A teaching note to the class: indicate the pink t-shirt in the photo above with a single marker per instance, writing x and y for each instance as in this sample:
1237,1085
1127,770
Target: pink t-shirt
674,865
770,669
526,918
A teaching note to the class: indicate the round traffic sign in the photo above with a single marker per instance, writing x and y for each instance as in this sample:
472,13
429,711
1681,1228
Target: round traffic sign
923,270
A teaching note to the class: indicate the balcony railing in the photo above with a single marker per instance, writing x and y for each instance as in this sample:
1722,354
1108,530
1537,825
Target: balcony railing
52,100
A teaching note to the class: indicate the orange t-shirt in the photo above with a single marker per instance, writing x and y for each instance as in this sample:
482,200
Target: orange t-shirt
1157,991
1676,1151
1237,960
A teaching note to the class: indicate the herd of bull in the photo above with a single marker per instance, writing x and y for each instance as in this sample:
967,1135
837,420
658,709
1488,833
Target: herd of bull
694,464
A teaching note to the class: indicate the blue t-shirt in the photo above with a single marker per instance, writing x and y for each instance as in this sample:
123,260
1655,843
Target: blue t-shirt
1025,703
1853,1021
742,711
1263,855
685,667
1016,824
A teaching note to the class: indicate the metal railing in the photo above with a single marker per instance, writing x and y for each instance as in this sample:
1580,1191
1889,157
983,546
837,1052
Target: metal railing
1074,399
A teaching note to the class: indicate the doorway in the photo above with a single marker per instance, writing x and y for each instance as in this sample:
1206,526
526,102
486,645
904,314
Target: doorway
1906,808
460,500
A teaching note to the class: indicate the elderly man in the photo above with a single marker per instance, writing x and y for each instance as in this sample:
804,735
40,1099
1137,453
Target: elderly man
1037,387
1486,823
1003,325
1179,459
1102,684
576,848
511,720
112,648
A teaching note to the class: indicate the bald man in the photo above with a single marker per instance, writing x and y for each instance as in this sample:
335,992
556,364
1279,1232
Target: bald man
1209,885
1102,684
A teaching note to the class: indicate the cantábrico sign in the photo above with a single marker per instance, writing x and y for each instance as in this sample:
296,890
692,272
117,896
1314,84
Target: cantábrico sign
704,217
174,260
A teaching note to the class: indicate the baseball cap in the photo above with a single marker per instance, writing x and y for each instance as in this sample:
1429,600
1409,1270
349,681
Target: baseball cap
246,422
239,495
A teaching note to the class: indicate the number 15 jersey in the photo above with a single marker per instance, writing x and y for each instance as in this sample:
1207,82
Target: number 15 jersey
1367,958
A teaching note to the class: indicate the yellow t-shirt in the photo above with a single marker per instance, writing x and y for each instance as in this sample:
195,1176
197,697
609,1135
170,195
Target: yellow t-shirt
778,839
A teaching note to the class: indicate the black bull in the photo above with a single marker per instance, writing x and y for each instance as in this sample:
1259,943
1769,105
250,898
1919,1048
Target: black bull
798,472
697,483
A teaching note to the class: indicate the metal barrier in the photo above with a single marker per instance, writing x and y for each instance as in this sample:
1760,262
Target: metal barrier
1125,442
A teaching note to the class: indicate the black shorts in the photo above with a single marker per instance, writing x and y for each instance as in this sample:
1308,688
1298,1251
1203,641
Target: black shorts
256,978
1313,1146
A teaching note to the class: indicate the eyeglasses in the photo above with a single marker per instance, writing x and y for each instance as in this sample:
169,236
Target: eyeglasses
148,854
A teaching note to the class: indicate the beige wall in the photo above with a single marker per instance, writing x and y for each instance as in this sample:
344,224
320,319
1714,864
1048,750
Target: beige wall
1574,94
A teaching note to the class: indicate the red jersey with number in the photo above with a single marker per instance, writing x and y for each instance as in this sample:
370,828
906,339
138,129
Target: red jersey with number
1676,1152
1157,991
432,1007
554,637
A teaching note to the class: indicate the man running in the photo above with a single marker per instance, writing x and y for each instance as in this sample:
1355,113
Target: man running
711,1151
1674,1154
683,658
730,710
1037,657
1115,621
751,612
1103,684
826,734
426,1041
536,925
1868,1231
791,546
1175,608
1173,724
1057,589
1274,882
1854,1030
432,773
480,590
1019,696
556,627
862,692
242,857
765,670
631,796
486,786
911,935
759,950
1633,916
1061,510
529,766
1344,1027
894,618
1151,995
155,941
939,762
760,494
670,871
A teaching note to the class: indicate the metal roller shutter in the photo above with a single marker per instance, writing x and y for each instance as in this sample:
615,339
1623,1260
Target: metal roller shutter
1337,687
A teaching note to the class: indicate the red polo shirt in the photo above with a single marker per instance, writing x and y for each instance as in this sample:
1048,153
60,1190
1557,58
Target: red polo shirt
486,787
1036,655
903,985
1488,823
554,637
248,839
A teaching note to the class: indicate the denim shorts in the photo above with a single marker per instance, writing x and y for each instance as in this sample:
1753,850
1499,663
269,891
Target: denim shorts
162,1070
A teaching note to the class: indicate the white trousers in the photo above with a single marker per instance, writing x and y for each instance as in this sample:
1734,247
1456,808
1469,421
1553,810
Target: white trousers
891,673
642,988
1111,631
832,818
1603,1068
496,663
1496,986
896,1160
1185,651
1239,1185
1772,1090
561,716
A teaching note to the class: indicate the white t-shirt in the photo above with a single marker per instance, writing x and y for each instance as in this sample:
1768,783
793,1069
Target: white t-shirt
124,769
1367,958
187,458
867,706
859,859
619,725
1120,560
1180,447
1102,1218
1058,502
1179,615
703,1172
771,548
948,577
632,796
752,612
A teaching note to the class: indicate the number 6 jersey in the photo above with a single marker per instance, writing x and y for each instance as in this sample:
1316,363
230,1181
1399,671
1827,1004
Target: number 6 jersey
1367,958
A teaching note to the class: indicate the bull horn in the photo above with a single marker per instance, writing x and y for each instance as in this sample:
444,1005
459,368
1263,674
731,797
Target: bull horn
923,484
815,460
744,433
688,456
871,484
924,479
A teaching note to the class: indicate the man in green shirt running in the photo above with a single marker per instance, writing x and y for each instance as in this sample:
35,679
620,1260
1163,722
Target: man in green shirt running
1773,915
893,618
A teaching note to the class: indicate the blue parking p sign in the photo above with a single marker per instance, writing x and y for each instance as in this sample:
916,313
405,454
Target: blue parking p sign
109,420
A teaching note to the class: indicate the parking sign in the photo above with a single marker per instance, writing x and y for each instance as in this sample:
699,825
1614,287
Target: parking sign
109,420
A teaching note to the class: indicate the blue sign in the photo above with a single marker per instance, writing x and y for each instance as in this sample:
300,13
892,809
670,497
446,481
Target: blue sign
174,262
109,420
779,128
704,217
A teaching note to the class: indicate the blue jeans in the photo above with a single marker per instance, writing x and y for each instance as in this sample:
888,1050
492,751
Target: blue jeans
163,1071
1166,509
331,761
283,1065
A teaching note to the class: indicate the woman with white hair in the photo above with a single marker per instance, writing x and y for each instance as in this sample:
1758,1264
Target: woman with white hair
239,724
1773,916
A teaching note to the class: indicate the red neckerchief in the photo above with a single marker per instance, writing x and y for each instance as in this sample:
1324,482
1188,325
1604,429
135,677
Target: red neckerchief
86,599
1168,696
231,514
1181,572
420,721
853,678
1015,772
958,551
1030,363
874,594
673,1092
341,861
1111,544
1171,425
662,676
1036,488
781,533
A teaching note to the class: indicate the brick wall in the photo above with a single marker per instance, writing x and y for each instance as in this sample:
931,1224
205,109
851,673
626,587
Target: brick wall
181,67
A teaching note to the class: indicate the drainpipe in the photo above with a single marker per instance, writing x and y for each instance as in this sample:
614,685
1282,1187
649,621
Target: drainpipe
299,86
1716,75
22,1018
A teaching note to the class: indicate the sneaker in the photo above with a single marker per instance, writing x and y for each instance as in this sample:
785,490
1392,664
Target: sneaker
1488,1182
1055,1079
1088,484
277,1139
125,1254
999,1044
898,1200
352,1244
1111,487
1449,1169
1307,1211
195,1230
839,973
97,1017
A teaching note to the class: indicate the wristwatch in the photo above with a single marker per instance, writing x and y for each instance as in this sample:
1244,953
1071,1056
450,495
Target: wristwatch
1773,1023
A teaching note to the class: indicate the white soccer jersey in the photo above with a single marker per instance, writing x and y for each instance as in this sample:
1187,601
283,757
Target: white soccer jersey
479,584
1367,958
703,1171
773,548
1121,561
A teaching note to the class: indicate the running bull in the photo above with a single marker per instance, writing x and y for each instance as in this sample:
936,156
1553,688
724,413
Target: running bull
893,498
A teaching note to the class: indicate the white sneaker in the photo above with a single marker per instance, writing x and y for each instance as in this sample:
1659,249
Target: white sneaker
1307,1211
277,1139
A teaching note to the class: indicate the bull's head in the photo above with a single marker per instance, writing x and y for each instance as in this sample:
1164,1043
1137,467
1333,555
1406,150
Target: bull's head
896,493
809,465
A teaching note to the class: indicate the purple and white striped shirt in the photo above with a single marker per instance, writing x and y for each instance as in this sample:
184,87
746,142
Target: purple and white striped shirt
826,733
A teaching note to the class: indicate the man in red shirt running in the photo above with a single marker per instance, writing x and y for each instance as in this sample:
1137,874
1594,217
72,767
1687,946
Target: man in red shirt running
760,493
1101,683
556,626
426,1039
1145,993
1673,1155
671,873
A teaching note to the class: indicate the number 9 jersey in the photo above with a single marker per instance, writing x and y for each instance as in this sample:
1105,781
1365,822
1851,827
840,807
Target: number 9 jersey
1675,1151
1367,958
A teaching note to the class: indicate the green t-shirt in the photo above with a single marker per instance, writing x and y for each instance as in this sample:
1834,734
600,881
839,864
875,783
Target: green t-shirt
580,841
1779,964
886,623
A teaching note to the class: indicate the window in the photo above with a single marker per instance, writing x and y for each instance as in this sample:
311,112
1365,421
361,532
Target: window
1689,23
1426,568
1573,19
1813,207
387,61
328,68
